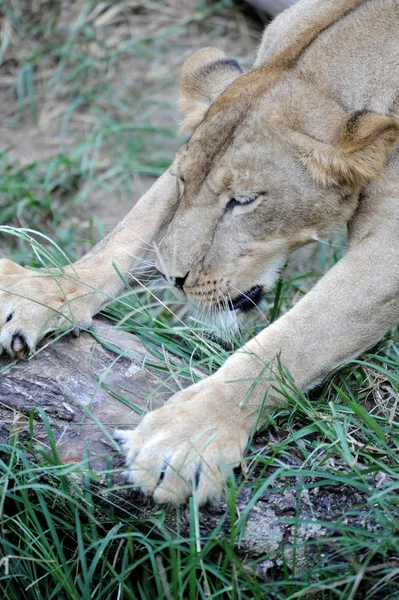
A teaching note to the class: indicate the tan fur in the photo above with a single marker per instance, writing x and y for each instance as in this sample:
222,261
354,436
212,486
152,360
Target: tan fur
33,302
304,143
200,84
364,144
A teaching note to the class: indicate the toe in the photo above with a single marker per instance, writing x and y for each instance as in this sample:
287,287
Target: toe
15,342
147,469
130,445
219,465
19,345
179,478
210,485
144,465
121,435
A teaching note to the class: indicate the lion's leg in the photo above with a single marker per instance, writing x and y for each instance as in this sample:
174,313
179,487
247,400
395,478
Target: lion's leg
206,427
122,251
32,302
354,304
350,310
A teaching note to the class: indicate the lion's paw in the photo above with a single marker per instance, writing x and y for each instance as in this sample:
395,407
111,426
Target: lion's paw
189,446
33,303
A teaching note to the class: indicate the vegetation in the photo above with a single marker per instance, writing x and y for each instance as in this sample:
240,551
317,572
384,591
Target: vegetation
81,128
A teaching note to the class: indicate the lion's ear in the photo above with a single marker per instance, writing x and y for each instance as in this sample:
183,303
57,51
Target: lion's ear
204,76
364,143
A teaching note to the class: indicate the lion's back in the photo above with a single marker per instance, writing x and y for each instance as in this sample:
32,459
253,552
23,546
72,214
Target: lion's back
355,60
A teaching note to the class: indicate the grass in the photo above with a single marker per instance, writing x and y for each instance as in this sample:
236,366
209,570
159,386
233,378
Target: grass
69,532
64,532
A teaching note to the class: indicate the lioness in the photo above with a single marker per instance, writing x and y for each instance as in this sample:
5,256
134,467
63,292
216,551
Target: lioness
280,156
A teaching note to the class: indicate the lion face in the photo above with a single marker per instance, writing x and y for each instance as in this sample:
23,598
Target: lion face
254,183
237,223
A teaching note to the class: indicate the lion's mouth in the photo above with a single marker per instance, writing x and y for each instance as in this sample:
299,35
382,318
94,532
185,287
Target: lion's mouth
247,300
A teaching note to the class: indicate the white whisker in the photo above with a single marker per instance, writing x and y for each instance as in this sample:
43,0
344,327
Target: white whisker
134,235
203,341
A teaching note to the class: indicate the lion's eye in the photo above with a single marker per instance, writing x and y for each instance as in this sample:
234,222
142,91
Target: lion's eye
241,202
181,180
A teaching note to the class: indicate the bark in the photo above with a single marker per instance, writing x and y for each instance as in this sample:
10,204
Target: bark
79,384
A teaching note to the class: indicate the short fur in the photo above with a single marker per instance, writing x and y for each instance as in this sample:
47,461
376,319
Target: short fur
304,143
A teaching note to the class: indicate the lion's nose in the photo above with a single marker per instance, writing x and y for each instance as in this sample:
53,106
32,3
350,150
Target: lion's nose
176,281
180,281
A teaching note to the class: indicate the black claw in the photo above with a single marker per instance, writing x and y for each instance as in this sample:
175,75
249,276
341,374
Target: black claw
162,474
72,334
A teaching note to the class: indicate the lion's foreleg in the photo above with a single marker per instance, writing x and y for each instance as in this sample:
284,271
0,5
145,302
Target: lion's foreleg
124,250
35,302
346,313
202,432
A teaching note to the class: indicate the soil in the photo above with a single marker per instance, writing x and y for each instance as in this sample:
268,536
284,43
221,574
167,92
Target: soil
151,76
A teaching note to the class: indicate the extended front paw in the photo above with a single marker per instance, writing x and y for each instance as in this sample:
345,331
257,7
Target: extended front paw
32,303
189,446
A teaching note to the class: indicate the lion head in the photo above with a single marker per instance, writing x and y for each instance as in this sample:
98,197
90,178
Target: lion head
272,164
